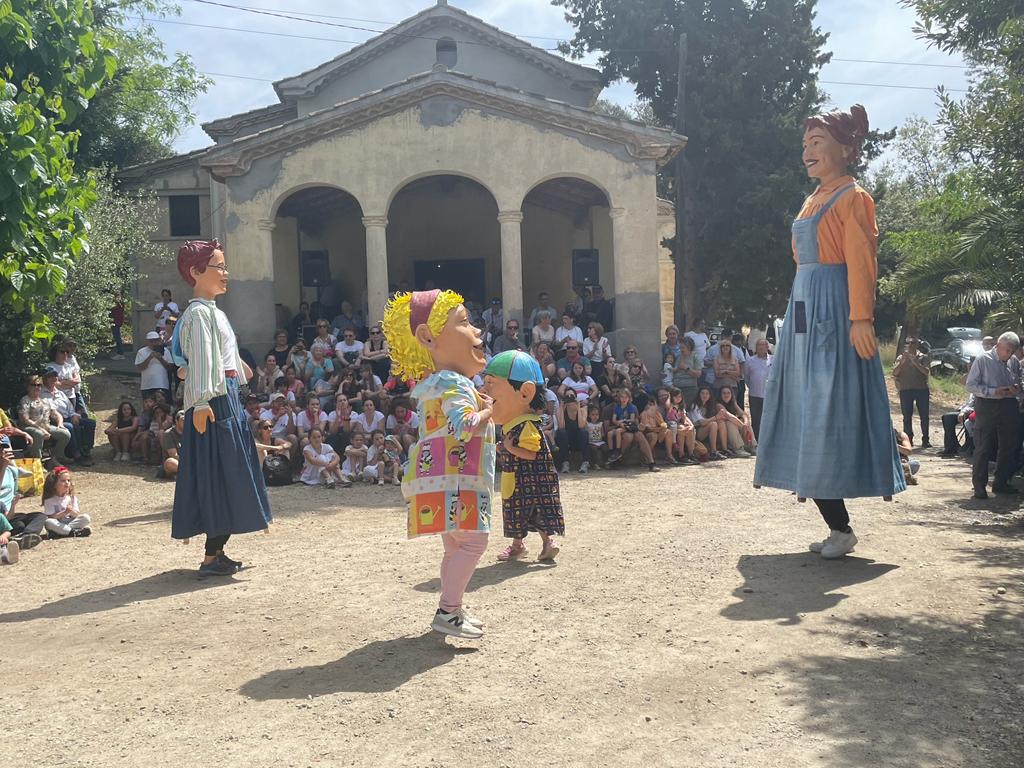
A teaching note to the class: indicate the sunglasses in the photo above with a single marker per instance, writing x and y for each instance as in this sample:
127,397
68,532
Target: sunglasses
512,327
375,333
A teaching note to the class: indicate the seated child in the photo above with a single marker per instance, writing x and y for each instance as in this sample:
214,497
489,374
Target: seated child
355,458
321,463
63,517
378,467
596,434
654,428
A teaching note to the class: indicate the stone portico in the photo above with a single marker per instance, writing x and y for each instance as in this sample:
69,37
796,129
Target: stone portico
462,152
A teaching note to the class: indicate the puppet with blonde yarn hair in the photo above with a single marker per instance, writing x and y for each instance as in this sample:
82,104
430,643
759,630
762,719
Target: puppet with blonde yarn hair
450,474
826,432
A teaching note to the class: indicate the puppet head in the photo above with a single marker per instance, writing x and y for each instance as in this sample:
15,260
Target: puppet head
430,331
201,264
833,142
515,383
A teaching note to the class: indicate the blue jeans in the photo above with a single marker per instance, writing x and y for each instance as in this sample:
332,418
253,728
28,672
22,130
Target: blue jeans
115,331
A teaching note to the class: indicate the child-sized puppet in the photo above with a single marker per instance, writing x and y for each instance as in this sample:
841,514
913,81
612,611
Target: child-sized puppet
219,489
450,473
826,432
530,499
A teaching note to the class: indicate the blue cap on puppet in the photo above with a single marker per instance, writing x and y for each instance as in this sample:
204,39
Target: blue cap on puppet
515,366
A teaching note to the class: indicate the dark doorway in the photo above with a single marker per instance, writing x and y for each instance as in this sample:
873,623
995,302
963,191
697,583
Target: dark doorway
463,275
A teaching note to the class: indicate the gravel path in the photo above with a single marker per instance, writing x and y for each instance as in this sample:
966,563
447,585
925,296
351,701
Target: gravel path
685,624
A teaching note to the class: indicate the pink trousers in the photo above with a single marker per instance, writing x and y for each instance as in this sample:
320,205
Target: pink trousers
462,551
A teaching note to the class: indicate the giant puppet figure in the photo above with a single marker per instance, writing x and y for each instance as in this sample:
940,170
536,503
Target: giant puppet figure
449,478
219,490
826,432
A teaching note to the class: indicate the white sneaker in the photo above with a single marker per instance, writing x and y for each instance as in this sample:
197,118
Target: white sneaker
839,544
565,467
584,467
125,457
817,546
473,621
10,553
453,624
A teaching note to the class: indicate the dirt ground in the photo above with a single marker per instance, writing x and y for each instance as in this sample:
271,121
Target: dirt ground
685,624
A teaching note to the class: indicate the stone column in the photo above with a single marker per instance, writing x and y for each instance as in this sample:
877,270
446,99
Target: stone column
376,266
512,265
637,299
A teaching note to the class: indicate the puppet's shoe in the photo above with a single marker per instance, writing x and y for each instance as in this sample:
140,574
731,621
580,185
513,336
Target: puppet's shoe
512,552
236,564
473,621
216,567
549,553
453,624
839,544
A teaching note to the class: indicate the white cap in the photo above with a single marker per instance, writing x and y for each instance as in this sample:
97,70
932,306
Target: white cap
152,336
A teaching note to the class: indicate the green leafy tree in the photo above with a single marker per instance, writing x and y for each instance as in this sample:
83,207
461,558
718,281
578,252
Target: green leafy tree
134,117
54,61
751,79
119,225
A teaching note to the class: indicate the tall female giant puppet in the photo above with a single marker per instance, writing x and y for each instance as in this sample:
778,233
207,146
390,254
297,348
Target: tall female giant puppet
450,475
826,432
219,489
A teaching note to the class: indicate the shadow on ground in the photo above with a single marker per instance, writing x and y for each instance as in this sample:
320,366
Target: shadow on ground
783,587
916,692
173,582
492,574
382,665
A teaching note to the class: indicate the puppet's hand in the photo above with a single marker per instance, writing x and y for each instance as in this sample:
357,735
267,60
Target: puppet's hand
862,337
201,416
182,372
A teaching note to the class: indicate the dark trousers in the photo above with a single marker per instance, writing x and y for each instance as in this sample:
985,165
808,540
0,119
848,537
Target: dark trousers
834,512
908,399
115,331
572,438
30,522
950,442
995,420
741,393
215,544
756,409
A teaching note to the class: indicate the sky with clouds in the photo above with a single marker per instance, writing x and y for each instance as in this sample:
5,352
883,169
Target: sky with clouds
243,64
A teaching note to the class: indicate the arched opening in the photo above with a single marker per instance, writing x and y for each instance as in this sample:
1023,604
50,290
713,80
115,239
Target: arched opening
447,52
567,241
319,252
443,232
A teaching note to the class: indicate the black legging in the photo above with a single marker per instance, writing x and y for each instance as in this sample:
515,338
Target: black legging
835,514
573,437
215,544
29,522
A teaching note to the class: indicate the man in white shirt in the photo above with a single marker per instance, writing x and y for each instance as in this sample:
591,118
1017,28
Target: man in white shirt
700,339
153,361
164,309
756,372
349,348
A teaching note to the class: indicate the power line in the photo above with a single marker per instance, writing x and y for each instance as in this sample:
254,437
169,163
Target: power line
903,63
250,31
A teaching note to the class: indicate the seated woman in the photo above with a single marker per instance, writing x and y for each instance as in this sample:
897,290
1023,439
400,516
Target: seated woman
567,331
296,387
578,382
655,429
615,378
709,430
124,425
308,418
543,331
403,424
265,441
685,432
739,434
542,354
626,423
339,424
370,387
350,387
298,359
318,367
266,375
325,341
573,435
636,368
377,353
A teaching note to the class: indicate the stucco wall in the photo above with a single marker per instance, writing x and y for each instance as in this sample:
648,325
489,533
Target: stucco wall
418,55
507,156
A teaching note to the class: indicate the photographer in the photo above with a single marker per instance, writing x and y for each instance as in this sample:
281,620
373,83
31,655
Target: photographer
154,362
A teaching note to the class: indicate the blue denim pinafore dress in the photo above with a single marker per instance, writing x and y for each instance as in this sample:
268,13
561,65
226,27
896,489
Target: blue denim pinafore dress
826,431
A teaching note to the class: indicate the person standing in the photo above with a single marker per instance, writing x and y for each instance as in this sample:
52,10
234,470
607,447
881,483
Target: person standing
701,342
116,323
154,361
756,372
994,380
219,489
164,309
826,431
911,372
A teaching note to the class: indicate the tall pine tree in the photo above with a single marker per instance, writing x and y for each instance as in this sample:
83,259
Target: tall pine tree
751,79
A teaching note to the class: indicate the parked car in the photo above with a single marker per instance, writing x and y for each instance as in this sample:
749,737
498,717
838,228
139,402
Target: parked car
958,354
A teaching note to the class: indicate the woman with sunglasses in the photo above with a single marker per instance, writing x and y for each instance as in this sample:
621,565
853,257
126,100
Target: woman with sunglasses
325,340
377,353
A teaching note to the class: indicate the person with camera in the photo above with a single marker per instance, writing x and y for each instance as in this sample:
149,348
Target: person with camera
154,362
626,419
573,436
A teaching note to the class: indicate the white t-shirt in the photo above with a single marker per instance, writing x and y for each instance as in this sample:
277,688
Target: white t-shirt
581,388
347,351
280,427
412,421
700,343
562,333
360,419
311,472
597,351
302,420
170,308
154,375
333,417
60,506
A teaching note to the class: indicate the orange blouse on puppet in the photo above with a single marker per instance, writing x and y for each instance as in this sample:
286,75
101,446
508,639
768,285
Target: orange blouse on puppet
848,234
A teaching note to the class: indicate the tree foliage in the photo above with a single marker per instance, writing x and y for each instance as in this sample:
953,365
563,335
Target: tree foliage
134,117
54,62
751,79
